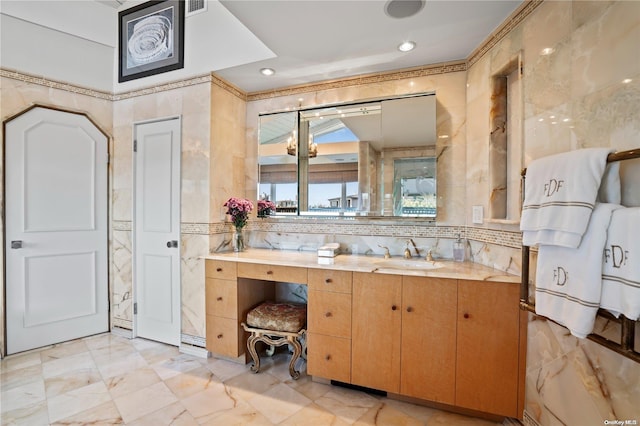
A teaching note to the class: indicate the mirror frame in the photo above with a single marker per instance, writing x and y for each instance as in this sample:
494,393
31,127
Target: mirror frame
377,214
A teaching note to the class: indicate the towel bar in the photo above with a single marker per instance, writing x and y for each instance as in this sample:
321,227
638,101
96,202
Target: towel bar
626,347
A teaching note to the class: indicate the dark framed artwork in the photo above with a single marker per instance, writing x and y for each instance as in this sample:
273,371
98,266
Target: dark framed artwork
151,39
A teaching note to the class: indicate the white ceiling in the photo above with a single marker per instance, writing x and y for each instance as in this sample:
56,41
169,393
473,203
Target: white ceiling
316,40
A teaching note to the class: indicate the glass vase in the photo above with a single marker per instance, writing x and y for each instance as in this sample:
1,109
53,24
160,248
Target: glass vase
237,240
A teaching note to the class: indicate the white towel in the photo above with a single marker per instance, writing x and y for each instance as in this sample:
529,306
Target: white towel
568,280
609,191
560,194
621,269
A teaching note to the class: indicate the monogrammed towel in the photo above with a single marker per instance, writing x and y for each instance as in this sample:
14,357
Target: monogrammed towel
568,280
621,269
560,194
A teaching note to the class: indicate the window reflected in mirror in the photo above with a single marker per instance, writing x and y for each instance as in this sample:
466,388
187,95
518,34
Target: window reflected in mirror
415,187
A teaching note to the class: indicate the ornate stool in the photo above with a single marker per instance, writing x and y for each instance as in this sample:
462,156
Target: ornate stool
276,324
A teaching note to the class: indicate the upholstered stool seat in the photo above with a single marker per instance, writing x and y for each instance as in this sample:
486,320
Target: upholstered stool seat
276,324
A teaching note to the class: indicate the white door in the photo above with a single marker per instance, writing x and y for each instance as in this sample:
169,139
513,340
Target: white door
157,231
56,229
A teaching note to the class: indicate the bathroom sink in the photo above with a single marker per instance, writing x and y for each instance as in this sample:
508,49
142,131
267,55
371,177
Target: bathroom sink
407,264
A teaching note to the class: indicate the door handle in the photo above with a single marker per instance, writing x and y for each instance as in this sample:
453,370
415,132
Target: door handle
16,244
172,243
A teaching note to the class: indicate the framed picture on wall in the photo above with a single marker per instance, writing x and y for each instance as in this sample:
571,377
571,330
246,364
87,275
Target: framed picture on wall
151,39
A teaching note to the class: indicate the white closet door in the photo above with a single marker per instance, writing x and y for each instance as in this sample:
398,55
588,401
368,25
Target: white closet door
157,231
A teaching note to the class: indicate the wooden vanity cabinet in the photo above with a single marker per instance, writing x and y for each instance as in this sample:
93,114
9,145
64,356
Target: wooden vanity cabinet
329,324
488,347
377,313
405,335
428,350
222,332
455,342
228,298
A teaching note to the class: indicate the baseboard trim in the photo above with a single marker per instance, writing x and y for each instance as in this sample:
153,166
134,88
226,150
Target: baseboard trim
194,351
122,332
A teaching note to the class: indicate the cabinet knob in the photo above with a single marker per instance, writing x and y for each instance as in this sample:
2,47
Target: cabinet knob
409,309
394,307
328,281
328,357
219,298
269,272
328,314
466,315
218,269
219,336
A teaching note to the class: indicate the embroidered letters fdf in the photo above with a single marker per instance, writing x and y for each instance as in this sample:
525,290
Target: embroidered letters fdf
616,255
552,187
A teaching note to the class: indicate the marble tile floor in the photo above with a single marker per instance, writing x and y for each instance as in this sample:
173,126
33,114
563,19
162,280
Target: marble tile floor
110,380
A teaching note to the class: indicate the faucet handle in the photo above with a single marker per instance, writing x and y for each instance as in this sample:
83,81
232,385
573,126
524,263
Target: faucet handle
387,255
429,257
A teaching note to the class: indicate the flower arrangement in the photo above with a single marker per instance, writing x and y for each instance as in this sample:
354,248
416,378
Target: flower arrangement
265,207
238,209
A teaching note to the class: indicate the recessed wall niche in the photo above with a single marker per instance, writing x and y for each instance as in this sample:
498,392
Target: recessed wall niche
505,142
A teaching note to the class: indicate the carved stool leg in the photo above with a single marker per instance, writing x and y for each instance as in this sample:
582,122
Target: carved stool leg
297,350
251,347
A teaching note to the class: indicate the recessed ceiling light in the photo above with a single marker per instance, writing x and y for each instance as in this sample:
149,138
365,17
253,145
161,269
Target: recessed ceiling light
407,46
403,8
547,51
267,71
627,81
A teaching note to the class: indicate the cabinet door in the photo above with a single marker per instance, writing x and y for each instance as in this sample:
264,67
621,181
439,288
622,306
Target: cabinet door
376,319
221,298
488,341
224,336
429,338
220,269
330,280
329,357
329,313
276,273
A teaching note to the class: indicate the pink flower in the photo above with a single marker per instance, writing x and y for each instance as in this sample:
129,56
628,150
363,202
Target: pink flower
265,205
238,209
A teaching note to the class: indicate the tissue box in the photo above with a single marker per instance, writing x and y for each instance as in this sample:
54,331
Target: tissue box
329,250
326,260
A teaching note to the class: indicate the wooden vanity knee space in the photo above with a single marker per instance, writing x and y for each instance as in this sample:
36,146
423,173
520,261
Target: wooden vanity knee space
446,339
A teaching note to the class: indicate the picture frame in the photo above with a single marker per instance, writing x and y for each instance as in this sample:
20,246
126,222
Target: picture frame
150,39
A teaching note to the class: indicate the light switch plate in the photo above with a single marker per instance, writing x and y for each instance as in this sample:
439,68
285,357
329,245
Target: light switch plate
477,214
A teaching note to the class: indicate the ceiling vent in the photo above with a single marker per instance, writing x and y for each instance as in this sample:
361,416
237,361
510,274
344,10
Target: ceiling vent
195,6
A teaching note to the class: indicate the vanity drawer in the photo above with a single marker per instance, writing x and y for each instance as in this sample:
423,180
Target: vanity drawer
329,313
224,336
259,271
220,269
329,357
221,298
330,280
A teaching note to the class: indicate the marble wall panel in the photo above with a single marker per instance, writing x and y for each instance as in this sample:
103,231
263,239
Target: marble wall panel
122,279
193,246
573,98
605,48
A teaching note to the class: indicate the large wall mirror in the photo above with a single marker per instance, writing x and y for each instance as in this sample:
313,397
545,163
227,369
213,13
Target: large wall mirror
373,158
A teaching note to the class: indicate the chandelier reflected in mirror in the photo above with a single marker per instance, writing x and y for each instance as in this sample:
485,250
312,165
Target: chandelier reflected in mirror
292,145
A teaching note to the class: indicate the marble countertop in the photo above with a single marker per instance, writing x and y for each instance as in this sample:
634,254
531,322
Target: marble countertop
366,263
